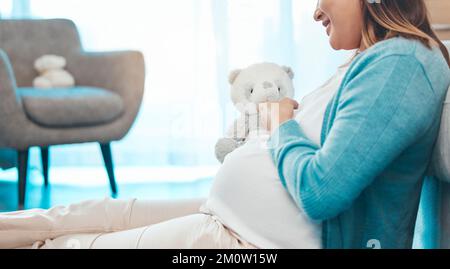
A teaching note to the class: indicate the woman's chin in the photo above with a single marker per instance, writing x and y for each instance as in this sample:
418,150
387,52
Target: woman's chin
339,44
334,44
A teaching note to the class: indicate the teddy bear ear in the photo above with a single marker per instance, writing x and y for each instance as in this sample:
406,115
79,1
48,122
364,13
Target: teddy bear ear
233,75
289,71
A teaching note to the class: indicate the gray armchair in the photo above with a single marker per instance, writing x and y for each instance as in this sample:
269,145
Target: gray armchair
101,108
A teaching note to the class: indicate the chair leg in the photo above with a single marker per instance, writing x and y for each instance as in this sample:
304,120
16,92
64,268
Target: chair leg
107,158
45,163
22,171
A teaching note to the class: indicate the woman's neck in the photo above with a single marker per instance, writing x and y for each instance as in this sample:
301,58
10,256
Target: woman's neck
362,48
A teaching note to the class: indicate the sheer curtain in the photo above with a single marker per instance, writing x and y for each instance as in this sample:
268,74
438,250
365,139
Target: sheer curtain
190,46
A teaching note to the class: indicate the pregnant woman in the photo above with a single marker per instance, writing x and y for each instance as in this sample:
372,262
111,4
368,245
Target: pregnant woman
345,172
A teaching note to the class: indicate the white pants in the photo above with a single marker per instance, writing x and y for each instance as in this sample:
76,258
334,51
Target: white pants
117,224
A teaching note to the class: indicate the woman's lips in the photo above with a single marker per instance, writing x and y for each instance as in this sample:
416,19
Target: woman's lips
327,25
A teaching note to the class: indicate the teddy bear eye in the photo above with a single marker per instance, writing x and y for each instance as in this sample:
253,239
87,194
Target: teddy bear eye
279,89
251,90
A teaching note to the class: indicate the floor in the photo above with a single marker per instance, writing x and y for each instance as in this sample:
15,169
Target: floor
70,185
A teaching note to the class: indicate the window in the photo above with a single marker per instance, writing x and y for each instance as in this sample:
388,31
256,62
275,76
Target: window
190,46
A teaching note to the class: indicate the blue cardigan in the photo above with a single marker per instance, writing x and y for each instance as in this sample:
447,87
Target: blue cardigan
364,181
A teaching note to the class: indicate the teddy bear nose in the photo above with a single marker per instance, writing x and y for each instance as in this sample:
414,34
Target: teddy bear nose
267,85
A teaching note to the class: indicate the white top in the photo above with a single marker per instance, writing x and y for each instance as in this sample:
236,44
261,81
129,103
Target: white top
248,197
313,106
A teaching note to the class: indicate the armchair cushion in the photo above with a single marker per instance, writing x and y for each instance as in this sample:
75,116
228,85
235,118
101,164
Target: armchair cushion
72,107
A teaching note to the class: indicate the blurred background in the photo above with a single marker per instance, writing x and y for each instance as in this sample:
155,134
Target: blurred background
189,46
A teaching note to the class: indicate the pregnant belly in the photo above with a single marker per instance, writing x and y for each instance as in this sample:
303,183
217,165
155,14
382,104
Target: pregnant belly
247,196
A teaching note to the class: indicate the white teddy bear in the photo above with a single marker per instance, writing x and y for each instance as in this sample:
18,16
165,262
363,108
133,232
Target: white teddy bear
256,84
51,73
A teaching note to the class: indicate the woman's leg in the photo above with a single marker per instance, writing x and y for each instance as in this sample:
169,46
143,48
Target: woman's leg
146,213
24,228
197,231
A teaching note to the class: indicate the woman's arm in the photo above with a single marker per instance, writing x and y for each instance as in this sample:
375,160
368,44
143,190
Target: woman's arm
381,112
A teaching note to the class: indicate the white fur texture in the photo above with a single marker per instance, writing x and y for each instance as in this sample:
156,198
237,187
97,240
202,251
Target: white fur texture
259,83
256,84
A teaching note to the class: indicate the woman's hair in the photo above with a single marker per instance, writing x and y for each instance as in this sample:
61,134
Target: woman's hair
384,19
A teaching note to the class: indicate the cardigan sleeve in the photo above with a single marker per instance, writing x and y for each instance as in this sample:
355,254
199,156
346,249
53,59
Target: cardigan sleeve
382,110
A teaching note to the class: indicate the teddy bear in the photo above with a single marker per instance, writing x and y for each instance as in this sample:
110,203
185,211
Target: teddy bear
51,73
256,84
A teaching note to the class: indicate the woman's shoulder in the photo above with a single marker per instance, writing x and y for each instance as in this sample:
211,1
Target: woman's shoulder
415,54
400,46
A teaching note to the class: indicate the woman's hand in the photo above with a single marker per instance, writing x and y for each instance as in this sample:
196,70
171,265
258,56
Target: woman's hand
272,115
